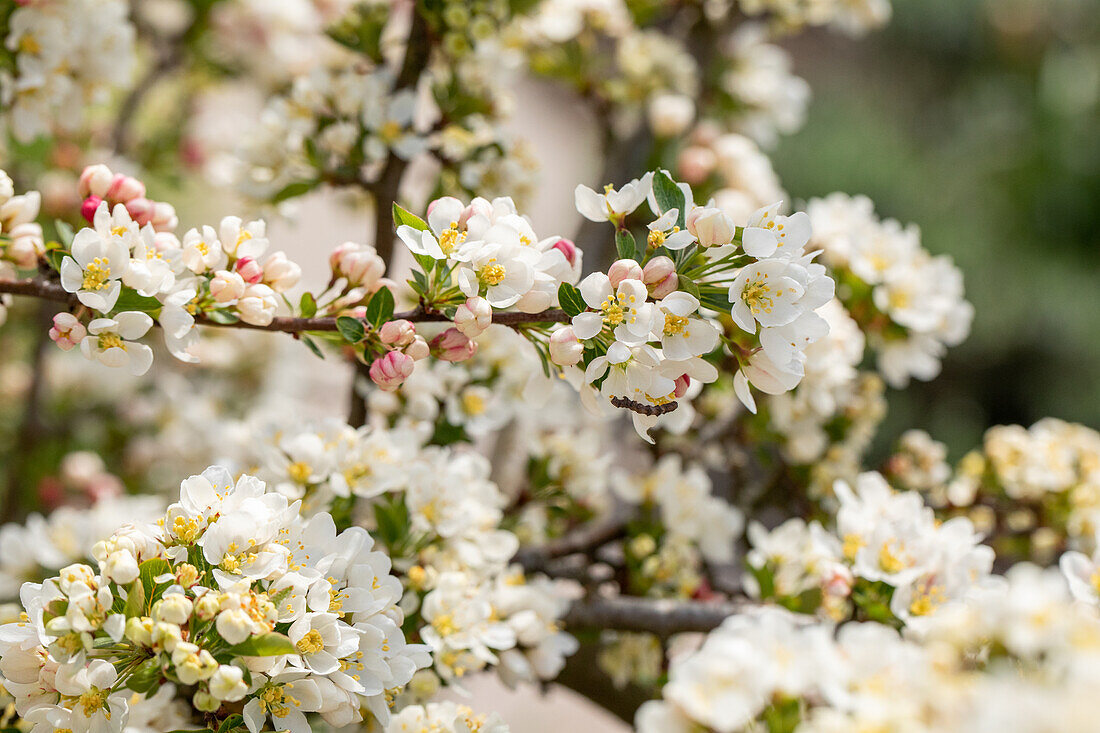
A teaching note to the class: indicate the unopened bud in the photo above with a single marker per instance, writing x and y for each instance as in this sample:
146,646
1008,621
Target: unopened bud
623,270
391,370
565,349
397,333
473,316
453,345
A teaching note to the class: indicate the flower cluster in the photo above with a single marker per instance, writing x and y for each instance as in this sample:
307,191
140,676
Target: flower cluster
233,598
850,16
21,242
888,556
444,717
909,303
1019,654
67,55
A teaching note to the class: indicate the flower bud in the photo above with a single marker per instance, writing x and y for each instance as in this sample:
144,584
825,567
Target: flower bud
670,114
174,608
140,630
141,210
696,163
418,349
665,287
257,305
250,270
187,575
567,248
95,180
205,702
164,217
478,206
206,606
391,370
124,189
623,270
281,273
226,286
712,227
89,207
361,265
682,383
453,345
473,316
397,333
565,349
228,683
67,331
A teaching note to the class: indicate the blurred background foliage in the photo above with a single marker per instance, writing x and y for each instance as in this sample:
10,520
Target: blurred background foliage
980,121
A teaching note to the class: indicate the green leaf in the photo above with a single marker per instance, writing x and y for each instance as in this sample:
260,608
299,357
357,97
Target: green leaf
669,196
145,677
570,300
55,257
380,308
625,245
233,722
405,217
131,300
135,600
293,190
307,306
64,233
426,262
688,286
312,346
223,316
351,329
264,645
149,570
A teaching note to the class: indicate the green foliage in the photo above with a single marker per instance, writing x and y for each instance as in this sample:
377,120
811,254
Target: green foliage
380,308
625,245
570,300
264,645
351,329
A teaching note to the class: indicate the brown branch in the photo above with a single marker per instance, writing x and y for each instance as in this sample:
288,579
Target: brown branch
663,617
583,539
51,290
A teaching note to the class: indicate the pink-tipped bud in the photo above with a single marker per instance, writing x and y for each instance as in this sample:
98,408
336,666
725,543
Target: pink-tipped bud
473,316
281,273
696,163
95,180
250,270
419,348
361,265
141,210
67,331
391,370
565,349
711,226
124,189
623,270
682,383
477,207
359,311
164,217
567,248
89,207
660,276
453,345
397,333
226,286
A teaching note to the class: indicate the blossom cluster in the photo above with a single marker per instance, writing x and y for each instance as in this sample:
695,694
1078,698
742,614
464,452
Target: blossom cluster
909,303
852,17
1019,654
888,558
232,596
67,55
21,241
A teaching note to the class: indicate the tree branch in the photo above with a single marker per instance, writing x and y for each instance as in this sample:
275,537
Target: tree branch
583,539
51,290
663,617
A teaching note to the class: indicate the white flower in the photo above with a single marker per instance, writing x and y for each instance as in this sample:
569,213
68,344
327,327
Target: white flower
766,292
612,204
504,270
682,336
284,698
623,309
228,683
100,709
111,342
769,234
258,304
202,251
95,269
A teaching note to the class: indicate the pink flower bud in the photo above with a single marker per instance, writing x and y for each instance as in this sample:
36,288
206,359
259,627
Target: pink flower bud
124,189
624,270
257,305
89,207
657,269
384,282
711,226
453,345
250,270
397,333
338,252
696,163
478,206
164,217
95,180
389,371
567,248
565,349
665,287
141,210
359,311
473,316
418,349
281,273
26,245
227,286
361,265
682,383
67,331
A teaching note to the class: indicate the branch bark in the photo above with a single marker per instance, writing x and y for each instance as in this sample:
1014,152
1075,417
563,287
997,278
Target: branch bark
663,617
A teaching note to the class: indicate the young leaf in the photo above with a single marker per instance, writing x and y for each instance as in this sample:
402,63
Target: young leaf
669,196
132,300
403,216
570,300
625,245
312,345
64,233
307,306
293,190
351,329
149,570
224,317
380,308
135,600
264,645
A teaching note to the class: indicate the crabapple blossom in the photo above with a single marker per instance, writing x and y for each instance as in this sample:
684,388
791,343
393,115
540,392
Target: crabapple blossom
473,316
389,371
67,331
111,341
